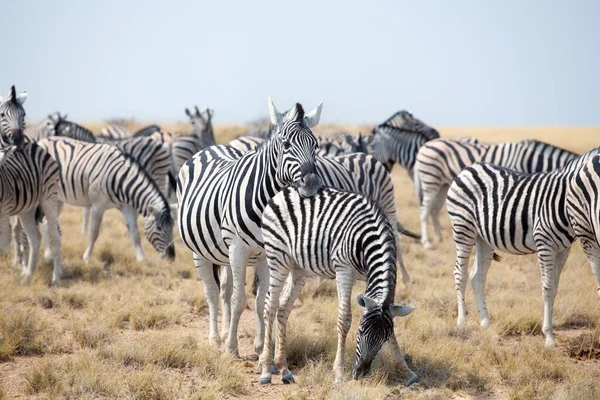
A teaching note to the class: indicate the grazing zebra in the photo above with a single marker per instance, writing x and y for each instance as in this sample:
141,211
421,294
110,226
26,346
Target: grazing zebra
439,161
221,194
28,181
583,209
115,132
201,122
101,177
12,119
41,130
494,208
338,235
153,155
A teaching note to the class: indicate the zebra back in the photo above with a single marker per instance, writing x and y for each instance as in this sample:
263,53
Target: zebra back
12,119
72,130
147,130
405,121
115,132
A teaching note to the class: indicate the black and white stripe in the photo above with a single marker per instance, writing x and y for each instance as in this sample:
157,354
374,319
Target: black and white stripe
101,177
45,128
338,235
12,119
439,161
116,132
494,208
202,127
69,129
221,194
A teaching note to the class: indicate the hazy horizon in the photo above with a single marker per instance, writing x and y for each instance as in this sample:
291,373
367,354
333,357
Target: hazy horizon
465,63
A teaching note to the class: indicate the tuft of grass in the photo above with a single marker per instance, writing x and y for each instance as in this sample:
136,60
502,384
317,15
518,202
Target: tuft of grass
91,336
22,332
149,384
43,378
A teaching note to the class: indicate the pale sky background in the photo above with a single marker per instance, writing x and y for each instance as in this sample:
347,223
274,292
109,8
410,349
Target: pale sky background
451,63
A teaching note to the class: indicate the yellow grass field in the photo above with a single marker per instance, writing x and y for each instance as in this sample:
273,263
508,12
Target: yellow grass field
117,329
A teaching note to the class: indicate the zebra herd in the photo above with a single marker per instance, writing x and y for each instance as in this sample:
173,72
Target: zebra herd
294,205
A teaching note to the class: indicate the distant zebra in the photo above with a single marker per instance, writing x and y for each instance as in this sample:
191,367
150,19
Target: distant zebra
28,181
41,130
12,119
102,177
439,161
72,130
147,130
221,194
116,132
583,209
202,127
494,208
337,235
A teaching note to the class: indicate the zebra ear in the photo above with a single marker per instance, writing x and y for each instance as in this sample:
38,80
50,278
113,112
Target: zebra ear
365,302
276,117
22,97
187,112
401,311
312,118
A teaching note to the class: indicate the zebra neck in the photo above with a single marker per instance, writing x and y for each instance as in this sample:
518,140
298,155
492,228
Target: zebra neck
268,158
381,282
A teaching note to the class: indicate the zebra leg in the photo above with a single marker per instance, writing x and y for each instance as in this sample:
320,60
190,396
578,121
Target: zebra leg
130,215
34,239
483,258
238,257
96,217
593,254
436,207
425,211
293,288
400,260
211,291
278,275
550,265
262,273
53,237
17,231
5,233
392,344
464,246
226,290
86,220
345,282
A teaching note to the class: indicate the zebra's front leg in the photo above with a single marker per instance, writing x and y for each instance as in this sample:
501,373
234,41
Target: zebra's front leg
436,207
5,233
276,282
345,282
34,239
53,237
211,291
238,257
86,220
292,290
96,220
551,263
424,211
130,215
461,267
262,273
226,290
399,357
400,260
592,251
484,254
17,231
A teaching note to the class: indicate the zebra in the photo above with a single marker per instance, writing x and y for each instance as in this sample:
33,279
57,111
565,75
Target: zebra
147,130
337,235
439,161
245,143
72,130
201,122
41,130
101,177
494,208
583,209
116,132
221,194
28,182
12,119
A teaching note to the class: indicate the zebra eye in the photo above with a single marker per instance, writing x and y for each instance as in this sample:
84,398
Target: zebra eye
2,115
286,144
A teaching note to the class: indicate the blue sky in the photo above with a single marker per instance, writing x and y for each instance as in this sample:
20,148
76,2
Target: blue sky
452,63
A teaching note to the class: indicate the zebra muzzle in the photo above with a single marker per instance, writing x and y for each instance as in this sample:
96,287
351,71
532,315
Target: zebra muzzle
310,185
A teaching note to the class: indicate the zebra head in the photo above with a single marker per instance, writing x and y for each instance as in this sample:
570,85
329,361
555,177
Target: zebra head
376,327
201,122
5,153
158,226
12,119
296,146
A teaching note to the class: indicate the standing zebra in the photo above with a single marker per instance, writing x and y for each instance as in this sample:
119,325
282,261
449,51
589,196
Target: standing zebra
116,132
583,209
337,235
101,177
439,161
201,122
41,130
221,194
72,130
147,130
12,119
494,208
28,181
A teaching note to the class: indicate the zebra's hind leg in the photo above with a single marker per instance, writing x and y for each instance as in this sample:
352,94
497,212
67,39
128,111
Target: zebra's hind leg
211,291
17,233
262,273
592,251
5,233
96,220
483,258
551,263
238,258
400,260
34,239
399,357
226,290
86,220
53,237
130,215
278,276
465,240
345,282
293,288
436,207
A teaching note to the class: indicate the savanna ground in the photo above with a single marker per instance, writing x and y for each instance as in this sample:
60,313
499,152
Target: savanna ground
117,329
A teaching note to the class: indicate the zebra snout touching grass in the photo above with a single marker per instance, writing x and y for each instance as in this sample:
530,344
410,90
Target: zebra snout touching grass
221,194
494,208
101,177
337,235
12,119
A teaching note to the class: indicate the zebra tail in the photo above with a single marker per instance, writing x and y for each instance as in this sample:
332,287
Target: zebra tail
497,257
403,231
39,215
216,270
172,181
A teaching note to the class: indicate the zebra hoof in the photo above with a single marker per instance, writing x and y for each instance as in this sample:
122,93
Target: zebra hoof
287,378
413,380
265,380
274,369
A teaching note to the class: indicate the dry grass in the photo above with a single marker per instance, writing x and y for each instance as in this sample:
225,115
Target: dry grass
117,329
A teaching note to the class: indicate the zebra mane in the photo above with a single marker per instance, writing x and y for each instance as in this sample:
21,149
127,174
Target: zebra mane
406,122
143,172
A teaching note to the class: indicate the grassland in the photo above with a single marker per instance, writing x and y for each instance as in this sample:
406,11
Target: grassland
118,329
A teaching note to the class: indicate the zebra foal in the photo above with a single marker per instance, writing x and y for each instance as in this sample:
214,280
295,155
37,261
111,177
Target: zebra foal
494,208
337,235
